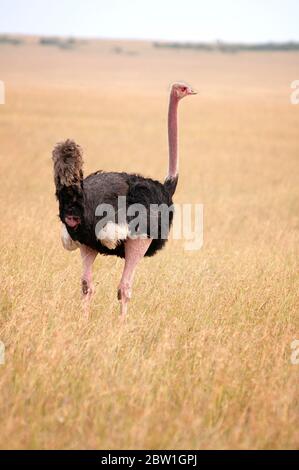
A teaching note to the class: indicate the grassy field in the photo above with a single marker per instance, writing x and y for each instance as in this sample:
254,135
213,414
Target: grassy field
204,359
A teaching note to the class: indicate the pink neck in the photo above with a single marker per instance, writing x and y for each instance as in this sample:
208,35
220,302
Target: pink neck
173,135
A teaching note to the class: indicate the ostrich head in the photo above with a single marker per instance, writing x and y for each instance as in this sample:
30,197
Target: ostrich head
181,89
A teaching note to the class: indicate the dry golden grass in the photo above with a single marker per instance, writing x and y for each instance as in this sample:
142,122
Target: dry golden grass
204,360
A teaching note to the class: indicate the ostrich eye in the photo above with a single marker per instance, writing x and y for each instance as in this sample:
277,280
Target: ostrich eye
183,88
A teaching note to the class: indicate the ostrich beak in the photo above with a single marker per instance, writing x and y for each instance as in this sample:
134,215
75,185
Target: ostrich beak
193,92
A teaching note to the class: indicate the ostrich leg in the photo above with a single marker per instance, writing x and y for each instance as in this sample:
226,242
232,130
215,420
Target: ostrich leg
135,249
88,256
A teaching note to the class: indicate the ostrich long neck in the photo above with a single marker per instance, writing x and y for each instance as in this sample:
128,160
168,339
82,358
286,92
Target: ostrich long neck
173,135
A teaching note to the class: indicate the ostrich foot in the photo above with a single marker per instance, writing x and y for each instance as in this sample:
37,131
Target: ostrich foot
87,292
124,294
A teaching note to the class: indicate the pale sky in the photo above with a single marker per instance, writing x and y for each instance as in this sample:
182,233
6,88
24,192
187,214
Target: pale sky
181,20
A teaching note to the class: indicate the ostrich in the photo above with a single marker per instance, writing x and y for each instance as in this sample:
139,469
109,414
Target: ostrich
80,197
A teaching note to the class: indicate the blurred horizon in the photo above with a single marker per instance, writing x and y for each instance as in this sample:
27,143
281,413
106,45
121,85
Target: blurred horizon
12,37
247,22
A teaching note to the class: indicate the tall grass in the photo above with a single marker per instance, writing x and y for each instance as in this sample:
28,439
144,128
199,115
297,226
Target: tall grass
204,359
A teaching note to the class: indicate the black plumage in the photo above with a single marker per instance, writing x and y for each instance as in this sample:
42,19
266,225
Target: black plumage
79,197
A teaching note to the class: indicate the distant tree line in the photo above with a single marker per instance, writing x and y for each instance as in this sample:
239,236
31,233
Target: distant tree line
217,46
226,47
5,39
67,43
64,43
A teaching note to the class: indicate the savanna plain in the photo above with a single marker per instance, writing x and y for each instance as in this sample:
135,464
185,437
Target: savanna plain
203,360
